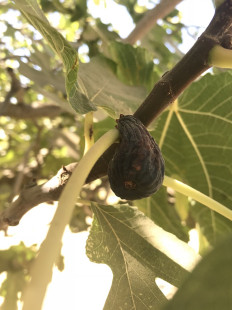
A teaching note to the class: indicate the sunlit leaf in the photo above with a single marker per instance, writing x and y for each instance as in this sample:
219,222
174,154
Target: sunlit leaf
197,147
137,251
62,48
97,83
100,85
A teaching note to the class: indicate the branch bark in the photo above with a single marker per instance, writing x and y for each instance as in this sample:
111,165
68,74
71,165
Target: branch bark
34,195
22,110
25,111
173,82
191,66
150,19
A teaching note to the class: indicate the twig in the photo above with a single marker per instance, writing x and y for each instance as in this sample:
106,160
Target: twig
20,176
25,111
16,90
150,19
191,66
22,110
33,196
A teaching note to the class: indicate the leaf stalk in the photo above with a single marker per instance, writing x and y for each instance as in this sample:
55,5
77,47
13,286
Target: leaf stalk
88,131
220,57
198,196
41,272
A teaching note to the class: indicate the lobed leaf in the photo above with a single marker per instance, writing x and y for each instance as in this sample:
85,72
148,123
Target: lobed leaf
197,148
137,251
163,213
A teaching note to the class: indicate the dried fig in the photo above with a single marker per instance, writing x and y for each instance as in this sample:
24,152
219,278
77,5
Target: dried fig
137,167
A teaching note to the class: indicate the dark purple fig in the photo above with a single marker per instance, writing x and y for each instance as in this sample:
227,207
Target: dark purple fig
137,169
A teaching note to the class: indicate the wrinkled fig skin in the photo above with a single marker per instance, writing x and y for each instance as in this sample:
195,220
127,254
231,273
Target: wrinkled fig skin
137,169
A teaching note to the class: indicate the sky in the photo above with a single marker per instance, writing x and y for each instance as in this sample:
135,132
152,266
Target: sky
194,13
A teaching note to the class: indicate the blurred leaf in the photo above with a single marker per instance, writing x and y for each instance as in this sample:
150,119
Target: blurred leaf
103,31
80,10
10,288
44,77
16,258
61,47
197,148
154,43
102,127
182,206
15,261
134,65
212,225
208,287
8,158
137,251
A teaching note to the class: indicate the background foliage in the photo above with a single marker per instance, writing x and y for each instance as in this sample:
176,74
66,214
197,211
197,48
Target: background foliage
113,78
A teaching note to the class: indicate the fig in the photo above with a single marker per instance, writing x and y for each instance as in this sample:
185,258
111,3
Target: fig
137,168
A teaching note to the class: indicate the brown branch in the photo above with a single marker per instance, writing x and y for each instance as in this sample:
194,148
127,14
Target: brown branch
173,82
25,111
32,196
164,93
15,90
22,110
150,19
191,66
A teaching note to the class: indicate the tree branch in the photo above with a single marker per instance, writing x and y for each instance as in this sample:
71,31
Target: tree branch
22,110
173,82
25,111
32,196
150,19
191,66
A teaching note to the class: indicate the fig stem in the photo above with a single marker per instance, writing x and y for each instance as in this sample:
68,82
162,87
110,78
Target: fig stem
220,57
88,131
198,196
41,270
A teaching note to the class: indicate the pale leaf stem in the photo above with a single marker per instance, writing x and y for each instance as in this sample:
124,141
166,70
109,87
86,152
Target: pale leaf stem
198,196
88,131
41,271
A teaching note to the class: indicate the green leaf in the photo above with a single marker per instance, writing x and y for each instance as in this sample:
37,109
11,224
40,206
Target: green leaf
31,10
195,141
212,225
163,213
134,65
99,84
137,251
15,261
16,258
12,285
154,43
209,285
